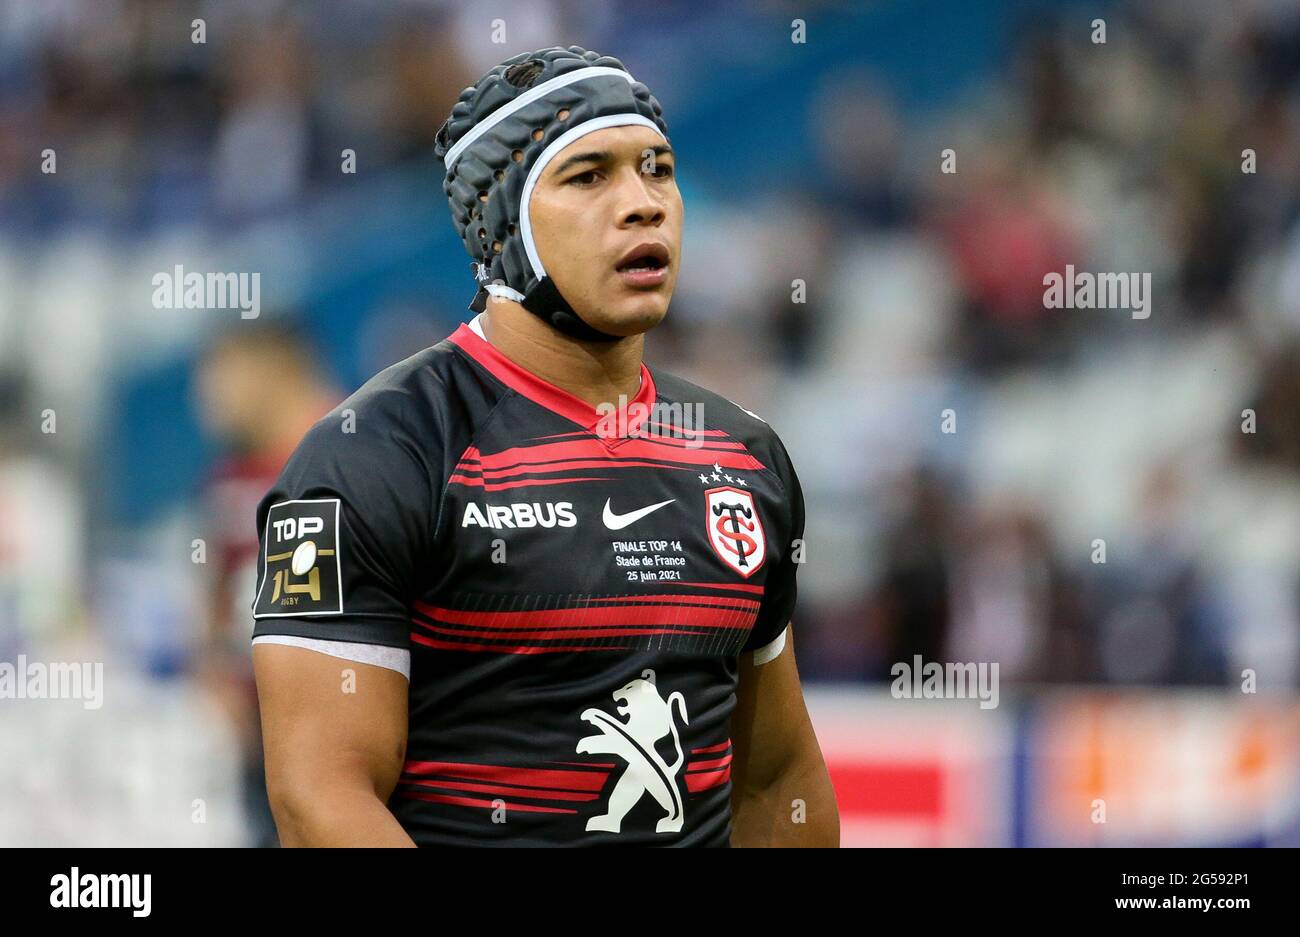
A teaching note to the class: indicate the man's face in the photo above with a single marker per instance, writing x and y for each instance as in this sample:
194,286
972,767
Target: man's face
598,200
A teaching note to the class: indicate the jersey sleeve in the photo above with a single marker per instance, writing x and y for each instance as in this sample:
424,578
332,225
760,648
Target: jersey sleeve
344,533
782,589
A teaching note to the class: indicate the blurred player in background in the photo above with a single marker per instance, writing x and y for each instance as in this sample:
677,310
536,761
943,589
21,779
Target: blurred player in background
259,388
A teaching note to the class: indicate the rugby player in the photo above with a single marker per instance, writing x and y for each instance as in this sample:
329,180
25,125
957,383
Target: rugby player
509,592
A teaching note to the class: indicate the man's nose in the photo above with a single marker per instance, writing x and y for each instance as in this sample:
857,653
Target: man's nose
639,202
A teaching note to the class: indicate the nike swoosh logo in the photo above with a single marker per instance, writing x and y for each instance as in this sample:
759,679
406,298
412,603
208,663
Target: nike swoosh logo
619,521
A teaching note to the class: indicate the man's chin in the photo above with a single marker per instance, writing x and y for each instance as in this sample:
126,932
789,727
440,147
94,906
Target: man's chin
630,322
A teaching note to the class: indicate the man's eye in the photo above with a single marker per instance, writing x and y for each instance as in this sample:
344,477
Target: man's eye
667,170
584,178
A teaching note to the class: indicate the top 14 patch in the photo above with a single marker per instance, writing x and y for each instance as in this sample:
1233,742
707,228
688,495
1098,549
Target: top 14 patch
301,574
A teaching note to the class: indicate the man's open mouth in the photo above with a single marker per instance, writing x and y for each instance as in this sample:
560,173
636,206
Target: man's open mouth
648,263
648,256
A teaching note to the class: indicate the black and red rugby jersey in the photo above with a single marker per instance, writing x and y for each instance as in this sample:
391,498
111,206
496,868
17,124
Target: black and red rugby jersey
573,600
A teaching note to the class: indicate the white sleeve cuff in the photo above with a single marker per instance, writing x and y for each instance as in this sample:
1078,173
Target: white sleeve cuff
770,652
380,655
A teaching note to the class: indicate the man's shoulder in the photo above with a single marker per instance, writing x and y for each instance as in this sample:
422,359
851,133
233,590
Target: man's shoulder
720,413
433,387
412,409
412,387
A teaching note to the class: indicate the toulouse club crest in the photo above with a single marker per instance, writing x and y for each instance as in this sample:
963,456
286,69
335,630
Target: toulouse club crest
735,530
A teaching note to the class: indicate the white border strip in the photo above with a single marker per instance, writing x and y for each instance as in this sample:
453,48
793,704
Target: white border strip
338,555
770,652
378,655
563,140
528,97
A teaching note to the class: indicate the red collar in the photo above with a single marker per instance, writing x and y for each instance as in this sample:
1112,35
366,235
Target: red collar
547,394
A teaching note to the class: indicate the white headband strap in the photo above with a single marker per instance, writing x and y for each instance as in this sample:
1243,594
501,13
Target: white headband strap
596,123
528,97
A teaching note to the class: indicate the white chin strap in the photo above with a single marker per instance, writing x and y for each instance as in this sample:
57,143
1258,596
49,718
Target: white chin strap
501,291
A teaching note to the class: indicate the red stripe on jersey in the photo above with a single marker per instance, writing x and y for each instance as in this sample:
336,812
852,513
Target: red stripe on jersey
536,794
739,587
704,781
522,483
506,648
720,441
547,394
569,465
688,434
592,448
556,633
679,443
721,746
606,616
475,802
556,779
725,600
711,763
589,764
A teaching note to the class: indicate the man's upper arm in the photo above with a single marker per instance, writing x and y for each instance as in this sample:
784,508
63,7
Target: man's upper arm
770,724
345,536
327,720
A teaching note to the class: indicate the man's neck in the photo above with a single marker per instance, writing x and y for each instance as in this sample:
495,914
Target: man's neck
597,372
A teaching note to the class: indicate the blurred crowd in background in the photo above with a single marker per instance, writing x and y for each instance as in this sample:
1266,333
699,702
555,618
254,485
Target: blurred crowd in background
969,456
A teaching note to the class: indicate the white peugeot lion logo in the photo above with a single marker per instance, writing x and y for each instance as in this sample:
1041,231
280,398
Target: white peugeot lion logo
649,719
